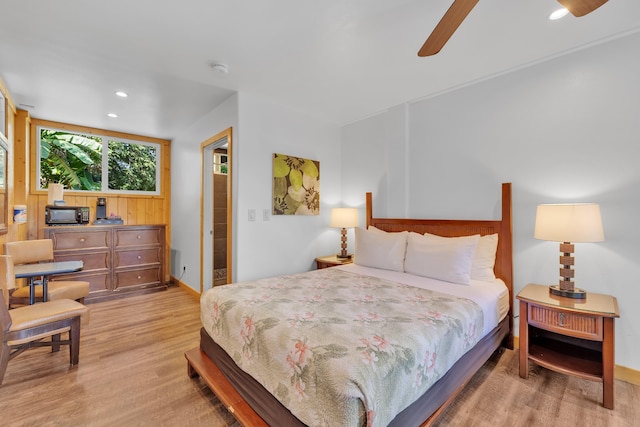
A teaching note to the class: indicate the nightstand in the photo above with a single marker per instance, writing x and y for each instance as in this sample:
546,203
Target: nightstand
567,335
331,261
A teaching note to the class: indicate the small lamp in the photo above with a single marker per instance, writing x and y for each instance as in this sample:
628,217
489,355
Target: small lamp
344,218
566,223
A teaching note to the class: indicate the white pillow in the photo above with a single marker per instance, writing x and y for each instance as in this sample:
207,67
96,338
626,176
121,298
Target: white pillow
376,230
443,259
380,249
484,259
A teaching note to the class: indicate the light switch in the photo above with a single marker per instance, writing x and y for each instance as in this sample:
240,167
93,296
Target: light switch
252,214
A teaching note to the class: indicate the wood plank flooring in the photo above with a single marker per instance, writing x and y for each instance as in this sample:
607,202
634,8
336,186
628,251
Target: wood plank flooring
132,372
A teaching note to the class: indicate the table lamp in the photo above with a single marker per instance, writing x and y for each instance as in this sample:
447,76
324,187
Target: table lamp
568,224
344,218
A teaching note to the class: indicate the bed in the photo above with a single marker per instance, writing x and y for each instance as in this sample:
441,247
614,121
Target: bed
325,376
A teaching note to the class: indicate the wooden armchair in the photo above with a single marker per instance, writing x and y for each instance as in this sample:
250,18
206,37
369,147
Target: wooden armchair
41,250
26,327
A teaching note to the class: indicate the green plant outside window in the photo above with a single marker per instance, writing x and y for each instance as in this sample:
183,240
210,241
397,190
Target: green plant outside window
81,163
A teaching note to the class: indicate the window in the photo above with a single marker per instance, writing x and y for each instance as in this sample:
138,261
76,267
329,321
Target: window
220,161
97,163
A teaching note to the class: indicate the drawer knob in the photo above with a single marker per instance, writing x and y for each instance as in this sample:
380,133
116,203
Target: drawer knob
139,277
82,239
561,319
139,237
139,257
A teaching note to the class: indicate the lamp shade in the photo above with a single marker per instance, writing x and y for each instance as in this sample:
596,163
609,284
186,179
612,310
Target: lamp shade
576,223
344,217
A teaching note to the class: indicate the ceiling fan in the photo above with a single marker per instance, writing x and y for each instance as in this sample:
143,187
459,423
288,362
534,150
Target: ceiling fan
461,8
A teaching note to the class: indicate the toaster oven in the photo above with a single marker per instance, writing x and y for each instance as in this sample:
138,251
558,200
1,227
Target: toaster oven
66,215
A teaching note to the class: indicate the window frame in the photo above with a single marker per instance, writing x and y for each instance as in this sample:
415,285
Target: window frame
106,137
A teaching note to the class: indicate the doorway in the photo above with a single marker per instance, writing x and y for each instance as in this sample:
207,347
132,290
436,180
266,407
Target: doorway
215,213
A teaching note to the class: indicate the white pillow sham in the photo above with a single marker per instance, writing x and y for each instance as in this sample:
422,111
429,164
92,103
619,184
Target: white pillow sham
443,259
379,249
484,259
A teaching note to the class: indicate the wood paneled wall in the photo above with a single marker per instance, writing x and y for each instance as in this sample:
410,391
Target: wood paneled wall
134,209
15,231
21,179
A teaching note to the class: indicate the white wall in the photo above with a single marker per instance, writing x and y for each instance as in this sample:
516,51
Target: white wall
186,184
281,244
284,243
561,131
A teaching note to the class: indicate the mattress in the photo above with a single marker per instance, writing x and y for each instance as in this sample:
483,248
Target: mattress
242,319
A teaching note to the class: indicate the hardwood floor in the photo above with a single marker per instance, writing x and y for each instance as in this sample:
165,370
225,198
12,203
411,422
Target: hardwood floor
497,397
132,372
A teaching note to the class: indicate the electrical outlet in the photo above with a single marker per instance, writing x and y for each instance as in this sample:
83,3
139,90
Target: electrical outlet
265,214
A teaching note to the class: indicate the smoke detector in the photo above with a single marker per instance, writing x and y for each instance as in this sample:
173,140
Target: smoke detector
220,68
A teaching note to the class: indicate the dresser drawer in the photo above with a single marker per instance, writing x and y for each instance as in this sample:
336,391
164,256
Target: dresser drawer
137,277
81,239
572,324
129,258
90,261
98,283
137,237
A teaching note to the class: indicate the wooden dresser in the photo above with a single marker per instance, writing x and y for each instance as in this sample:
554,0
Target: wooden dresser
119,260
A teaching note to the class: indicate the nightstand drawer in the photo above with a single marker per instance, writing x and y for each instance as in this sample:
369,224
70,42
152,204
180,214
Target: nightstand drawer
572,324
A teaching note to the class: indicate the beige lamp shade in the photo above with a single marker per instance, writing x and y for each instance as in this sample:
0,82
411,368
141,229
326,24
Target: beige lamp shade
577,223
568,224
344,217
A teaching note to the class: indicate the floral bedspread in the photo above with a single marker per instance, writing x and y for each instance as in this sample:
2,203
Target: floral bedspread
338,348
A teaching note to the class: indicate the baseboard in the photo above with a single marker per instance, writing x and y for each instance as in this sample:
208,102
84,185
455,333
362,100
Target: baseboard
627,374
621,373
184,286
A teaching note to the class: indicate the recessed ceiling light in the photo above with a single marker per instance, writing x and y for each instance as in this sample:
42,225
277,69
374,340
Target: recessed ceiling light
112,115
122,94
560,13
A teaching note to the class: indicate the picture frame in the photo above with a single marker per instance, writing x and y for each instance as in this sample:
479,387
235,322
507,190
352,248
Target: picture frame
296,185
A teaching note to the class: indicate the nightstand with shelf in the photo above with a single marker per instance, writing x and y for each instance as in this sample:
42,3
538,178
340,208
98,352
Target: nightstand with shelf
567,335
332,261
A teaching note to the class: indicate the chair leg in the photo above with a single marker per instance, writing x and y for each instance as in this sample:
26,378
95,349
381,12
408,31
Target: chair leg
55,343
74,341
4,360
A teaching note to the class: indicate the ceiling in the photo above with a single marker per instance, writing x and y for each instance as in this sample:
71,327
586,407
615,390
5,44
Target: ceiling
337,60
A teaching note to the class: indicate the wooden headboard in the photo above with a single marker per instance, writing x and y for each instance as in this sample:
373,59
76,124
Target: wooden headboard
465,227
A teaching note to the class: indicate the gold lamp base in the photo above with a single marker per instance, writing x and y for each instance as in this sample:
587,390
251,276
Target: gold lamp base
576,293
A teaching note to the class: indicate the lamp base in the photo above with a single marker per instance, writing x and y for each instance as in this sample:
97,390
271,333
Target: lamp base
576,293
340,256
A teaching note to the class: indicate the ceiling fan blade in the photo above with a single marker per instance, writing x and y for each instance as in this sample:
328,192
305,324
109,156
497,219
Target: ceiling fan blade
581,7
447,26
